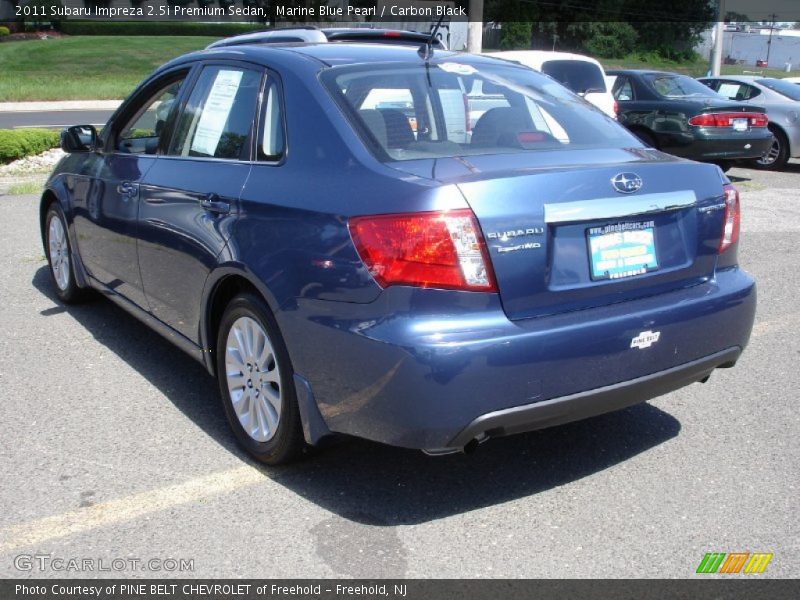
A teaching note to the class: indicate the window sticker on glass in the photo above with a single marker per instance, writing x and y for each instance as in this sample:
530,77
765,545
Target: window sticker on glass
729,90
216,111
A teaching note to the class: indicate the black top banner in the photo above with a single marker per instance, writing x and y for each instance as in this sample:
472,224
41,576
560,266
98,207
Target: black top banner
288,12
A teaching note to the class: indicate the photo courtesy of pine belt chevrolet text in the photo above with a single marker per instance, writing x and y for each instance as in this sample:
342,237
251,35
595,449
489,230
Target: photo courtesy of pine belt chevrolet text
384,239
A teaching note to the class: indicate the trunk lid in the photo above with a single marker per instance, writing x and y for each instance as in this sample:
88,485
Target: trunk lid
537,223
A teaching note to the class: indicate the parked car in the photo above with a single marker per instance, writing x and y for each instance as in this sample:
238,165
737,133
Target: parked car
581,74
339,274
781,100
678,115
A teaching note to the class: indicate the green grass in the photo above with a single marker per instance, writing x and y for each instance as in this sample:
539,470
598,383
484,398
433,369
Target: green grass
696,68
26,187
85,67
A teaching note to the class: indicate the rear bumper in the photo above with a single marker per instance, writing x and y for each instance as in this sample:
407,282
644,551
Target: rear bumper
582,405
710,146
430,368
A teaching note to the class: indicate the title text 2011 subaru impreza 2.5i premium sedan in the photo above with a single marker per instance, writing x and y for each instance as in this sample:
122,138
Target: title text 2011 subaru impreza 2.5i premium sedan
341,272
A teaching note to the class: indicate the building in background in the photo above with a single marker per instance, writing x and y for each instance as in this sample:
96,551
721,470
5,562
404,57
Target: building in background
751,46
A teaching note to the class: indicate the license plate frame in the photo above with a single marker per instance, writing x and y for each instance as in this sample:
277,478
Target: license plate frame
622,250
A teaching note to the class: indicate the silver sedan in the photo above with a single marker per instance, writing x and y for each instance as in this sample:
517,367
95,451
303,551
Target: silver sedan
782,101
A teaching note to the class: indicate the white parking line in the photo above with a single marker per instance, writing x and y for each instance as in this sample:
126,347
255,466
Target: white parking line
128,508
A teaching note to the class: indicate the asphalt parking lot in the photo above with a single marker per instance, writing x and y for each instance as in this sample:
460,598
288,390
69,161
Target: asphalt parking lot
114,446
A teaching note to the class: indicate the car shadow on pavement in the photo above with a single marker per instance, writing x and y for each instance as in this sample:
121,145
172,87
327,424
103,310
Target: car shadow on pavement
373,484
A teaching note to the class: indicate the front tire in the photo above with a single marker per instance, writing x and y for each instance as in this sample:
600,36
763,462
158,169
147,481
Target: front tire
778,154
256,382
60,257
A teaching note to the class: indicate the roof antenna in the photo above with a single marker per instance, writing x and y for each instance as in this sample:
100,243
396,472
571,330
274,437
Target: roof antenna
426,50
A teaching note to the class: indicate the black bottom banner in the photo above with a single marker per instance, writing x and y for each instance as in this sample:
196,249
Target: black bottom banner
326,589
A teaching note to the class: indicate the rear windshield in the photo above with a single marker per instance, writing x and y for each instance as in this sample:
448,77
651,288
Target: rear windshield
785,88
679,86
580,76
443,109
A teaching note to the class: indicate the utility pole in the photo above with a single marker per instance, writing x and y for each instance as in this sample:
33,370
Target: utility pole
719,32
475,26
773,16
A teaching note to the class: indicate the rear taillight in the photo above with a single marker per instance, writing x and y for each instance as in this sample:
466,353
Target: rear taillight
727,119
429,249
731,220
616,108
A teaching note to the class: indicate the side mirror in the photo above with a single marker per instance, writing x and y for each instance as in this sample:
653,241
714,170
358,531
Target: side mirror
79,138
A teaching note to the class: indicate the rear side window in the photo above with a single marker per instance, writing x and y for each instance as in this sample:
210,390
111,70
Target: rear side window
578,75
219,115
272,139
413,111
623,89
737,91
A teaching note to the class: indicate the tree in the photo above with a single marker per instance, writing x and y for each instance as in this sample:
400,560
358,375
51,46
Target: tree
732,16
603,27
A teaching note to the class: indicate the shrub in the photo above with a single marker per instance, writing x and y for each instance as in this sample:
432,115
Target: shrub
515,35
19,143
4,31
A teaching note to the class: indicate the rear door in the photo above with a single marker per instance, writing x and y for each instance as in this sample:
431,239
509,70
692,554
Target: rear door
189,198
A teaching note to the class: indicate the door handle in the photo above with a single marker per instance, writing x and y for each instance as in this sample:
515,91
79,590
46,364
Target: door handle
213,204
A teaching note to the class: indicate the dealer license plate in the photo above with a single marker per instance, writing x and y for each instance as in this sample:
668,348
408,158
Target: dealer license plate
622,250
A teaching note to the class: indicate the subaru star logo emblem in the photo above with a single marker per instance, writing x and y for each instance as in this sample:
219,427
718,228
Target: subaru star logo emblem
626,183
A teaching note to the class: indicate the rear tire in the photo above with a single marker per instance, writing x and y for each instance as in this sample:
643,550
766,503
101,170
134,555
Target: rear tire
778,154
60,257
256,382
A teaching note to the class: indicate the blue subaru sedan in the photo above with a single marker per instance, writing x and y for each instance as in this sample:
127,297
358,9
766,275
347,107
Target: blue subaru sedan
422,248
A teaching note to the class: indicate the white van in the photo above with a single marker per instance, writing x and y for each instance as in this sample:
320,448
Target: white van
581,74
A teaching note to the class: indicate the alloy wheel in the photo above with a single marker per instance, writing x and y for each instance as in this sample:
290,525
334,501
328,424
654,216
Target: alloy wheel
772,154
59,253
253,379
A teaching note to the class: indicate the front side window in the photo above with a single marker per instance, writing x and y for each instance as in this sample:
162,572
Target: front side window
785,88
141,134
414,111
219,115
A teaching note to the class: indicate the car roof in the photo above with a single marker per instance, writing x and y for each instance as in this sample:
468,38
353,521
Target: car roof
640,72
287,55
747,78
310,34
539,57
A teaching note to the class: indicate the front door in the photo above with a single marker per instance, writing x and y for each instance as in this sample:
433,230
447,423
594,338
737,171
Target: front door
189,197
106,214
